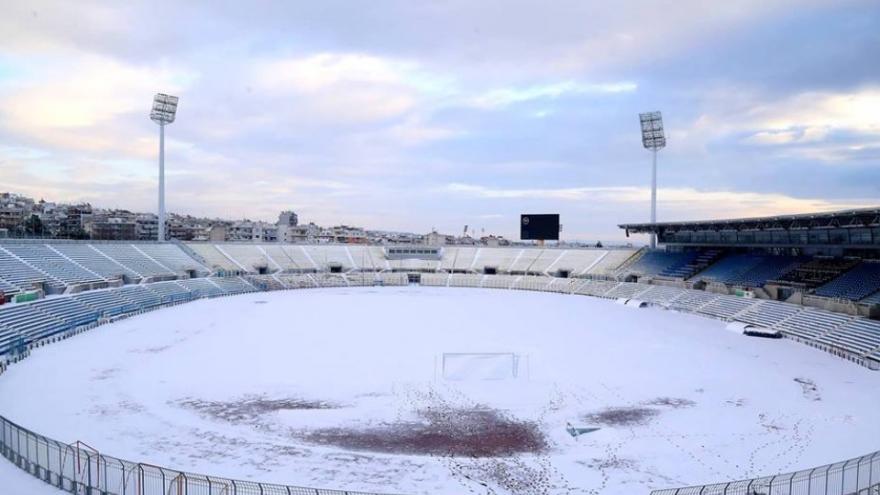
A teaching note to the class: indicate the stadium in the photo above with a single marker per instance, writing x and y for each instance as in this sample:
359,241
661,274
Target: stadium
365,343
658,358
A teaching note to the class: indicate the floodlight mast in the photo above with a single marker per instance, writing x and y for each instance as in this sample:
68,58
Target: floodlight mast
654,139
163,113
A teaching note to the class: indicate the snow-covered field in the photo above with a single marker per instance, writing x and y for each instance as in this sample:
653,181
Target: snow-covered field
339,388
14,481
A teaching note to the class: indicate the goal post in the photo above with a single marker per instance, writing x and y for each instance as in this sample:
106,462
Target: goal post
459,366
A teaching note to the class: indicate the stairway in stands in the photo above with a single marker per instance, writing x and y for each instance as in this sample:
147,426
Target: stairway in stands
698,263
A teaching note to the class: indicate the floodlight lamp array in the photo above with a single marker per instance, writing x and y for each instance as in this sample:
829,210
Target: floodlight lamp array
164,109
653,137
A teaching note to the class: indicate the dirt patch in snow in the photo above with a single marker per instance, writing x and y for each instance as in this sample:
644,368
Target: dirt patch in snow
622,416
248,409
445,431
809,388
673,402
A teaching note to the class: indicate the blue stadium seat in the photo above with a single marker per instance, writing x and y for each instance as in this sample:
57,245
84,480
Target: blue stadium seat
858,283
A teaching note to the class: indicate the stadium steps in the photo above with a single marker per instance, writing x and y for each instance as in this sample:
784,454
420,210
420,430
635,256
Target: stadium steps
271,259
629,262
231,258
702,260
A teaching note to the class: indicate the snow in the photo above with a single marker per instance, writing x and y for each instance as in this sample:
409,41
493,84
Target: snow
14,481
246,386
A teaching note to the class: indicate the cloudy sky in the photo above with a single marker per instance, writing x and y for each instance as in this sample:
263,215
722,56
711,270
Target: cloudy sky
408,115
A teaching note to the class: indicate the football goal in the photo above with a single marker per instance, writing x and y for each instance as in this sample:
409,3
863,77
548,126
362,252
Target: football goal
479,365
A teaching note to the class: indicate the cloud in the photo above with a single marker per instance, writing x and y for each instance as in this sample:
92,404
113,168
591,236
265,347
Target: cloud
502,97
687,202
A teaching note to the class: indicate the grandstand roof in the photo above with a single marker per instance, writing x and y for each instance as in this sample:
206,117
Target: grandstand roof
862,217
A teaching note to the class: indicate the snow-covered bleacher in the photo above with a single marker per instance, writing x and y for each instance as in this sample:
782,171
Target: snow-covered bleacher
627,291
201,287
215,260
858,335
23,276
768,314
810,324
692,301
67,310
107,303
726,307
170,291
596,287
248,257
233,285
170,256
53,264
134,259
94,261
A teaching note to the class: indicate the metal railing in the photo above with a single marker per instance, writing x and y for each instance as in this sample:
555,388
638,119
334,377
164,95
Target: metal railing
77,468
856,476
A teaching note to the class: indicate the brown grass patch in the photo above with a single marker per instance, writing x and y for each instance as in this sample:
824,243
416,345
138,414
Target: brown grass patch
622,416
445,431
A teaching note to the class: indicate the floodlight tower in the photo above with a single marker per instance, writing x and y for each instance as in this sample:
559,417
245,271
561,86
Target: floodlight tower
653,139
163,112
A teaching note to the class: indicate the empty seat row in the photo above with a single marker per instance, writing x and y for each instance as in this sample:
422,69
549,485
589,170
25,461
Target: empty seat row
812,324
726,307
627,291
692,300
857,283
21,275
768,314
134,259
95,261
52,263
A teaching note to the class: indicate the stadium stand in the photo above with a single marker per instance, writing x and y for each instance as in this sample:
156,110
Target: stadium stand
857,283
768,268
816,272
215,259
729,268
141,296
170,256
132,258
67,310
872,299
810,324
233,285
247,257
726,307
107,303
94,261
8,289
299,256
201,287
170,291
655,263
23,276
768,314
52,263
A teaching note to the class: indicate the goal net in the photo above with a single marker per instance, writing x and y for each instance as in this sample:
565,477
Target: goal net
479,365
